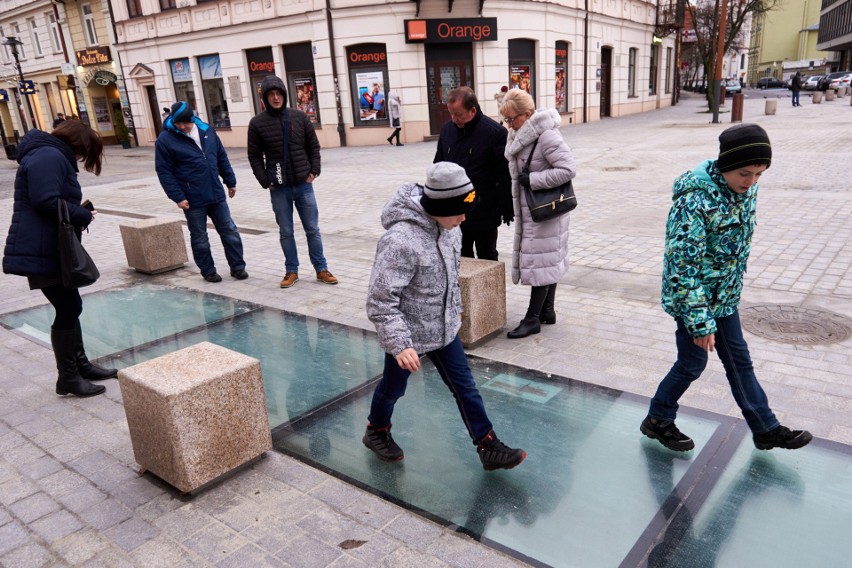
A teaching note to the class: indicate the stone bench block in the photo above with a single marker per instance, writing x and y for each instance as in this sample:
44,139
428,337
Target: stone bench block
196,414
829,95
483,296
817,97
771,106
154,245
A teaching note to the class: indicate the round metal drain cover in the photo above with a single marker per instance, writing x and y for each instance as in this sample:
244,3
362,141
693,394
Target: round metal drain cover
800,326
619,169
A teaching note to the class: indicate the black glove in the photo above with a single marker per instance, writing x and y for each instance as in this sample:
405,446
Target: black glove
524,179
508,218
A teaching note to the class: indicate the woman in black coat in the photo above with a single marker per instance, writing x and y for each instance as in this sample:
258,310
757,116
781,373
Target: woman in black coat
47,174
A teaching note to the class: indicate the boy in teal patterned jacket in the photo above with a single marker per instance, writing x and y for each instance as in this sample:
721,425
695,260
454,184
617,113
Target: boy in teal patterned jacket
708,240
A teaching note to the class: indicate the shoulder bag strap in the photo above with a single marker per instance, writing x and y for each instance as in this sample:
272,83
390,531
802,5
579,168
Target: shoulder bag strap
529,158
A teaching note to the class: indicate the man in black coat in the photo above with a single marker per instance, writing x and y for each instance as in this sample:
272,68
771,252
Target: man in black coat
284,154
476,143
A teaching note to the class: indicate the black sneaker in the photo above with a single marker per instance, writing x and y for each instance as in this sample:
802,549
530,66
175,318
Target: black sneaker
667,433
381,442
782,437
239,274
213,277
494,454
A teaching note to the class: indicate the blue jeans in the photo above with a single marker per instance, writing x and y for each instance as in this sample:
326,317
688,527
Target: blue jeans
220,215
795,98
691,360
302,196
451,363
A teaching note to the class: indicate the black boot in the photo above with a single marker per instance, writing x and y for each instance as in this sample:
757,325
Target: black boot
528,326
64,343
86,368
390,140
548,311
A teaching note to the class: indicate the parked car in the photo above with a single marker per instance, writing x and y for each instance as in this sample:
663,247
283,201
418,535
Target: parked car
732,86
810,84
833,79
769,83
840,81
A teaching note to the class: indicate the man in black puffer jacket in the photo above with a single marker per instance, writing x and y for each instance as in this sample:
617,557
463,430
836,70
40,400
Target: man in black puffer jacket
284,154
476,143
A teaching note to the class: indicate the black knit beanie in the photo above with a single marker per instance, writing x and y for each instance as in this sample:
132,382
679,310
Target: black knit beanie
182,112
743,145
448,191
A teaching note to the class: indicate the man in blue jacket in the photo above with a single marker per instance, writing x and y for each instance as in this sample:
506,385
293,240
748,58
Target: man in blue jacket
190,159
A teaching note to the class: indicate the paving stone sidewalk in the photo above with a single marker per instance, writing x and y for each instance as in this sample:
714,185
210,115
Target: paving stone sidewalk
69,493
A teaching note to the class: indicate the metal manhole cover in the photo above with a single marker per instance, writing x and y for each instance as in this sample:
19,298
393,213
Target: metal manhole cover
800,326
620,169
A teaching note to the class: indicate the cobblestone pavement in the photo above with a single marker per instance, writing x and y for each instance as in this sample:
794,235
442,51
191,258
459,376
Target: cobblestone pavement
68,489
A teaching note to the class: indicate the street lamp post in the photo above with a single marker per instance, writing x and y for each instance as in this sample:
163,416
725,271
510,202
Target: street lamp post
14,42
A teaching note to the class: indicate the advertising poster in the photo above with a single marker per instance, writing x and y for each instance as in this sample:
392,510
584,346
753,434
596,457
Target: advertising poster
102,117
180,70
519,77
371,92
210,67
306,97
560,88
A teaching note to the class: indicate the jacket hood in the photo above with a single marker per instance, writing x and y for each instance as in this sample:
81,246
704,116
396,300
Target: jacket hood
700,179
404,207
35,139
272,82
541,121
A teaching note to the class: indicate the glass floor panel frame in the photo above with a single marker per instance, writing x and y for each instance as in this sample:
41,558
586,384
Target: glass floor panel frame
684,511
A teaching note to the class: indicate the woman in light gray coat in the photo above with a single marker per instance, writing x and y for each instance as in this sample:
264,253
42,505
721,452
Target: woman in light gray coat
395,112
540,251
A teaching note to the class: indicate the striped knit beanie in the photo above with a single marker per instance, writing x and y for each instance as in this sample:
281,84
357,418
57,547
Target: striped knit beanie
743,145
181,112
448,191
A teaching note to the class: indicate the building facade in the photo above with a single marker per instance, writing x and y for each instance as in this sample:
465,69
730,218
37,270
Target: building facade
835,31
340,58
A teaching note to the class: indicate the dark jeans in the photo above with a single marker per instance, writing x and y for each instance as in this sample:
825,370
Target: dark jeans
451,363
67,303
485,241
283,200
795,98
220,215
691,361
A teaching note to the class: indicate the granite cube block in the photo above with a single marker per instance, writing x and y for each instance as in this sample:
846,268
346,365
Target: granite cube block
483,295
196,414
154,245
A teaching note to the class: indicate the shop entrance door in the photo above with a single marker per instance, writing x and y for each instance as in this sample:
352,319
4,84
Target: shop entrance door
606,81
154,107
448,66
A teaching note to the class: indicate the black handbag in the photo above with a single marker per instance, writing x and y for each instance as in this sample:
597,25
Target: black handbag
549,203
77,267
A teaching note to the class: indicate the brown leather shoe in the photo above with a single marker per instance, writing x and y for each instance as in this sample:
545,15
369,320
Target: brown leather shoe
289,279
326,277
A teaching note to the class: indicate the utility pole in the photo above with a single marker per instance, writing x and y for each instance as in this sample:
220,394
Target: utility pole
720,55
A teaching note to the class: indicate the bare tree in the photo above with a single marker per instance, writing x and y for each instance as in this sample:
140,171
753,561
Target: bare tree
705,19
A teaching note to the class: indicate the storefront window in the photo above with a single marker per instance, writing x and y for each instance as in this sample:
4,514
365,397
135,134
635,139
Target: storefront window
561,85
631,72
368,78
522,65
213,89
260,65
182,79
301,80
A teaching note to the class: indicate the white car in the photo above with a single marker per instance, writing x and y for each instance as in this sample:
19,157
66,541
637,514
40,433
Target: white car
835,79
810,84
844,81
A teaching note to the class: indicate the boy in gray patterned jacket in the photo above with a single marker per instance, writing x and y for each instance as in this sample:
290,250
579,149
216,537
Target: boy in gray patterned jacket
415,304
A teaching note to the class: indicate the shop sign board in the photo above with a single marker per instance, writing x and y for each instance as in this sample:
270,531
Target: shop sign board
451,30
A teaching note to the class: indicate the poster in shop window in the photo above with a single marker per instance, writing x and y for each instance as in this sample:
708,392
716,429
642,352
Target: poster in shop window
519,77
560,87
102,118
371,91
306,100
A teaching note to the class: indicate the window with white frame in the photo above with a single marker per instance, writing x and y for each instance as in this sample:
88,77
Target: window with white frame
55,41
31,23
669,70
89,24
22,52
631,72
6,52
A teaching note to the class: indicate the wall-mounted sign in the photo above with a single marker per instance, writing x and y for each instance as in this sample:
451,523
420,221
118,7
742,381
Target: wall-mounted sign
451,30
67,68
105,77
26,87
4,96
93,56
367,55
